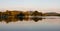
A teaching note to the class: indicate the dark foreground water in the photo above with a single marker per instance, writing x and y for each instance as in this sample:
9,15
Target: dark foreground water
51,23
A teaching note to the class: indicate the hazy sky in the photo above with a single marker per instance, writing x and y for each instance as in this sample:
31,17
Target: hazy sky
41,5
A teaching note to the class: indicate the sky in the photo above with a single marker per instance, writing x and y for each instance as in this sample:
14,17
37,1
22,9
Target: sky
40,5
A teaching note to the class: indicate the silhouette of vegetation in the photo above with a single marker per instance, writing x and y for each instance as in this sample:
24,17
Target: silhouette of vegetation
21,16
58,15
13,16
36,13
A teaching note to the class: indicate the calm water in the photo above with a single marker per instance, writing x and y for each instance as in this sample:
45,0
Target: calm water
51,23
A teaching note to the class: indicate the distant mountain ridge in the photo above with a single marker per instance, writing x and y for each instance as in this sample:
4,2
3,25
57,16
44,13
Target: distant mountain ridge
51,14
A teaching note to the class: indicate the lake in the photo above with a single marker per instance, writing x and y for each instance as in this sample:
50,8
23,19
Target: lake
50,23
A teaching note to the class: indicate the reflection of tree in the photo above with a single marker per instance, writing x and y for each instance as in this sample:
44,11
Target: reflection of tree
36,19
7,21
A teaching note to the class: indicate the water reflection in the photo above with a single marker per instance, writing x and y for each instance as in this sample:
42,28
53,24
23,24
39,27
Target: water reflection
24,25
36,19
